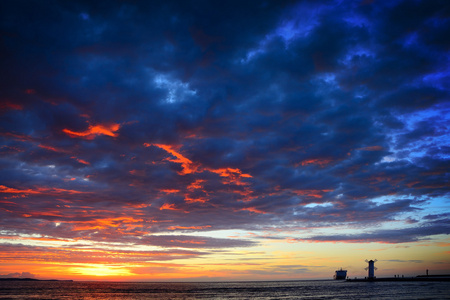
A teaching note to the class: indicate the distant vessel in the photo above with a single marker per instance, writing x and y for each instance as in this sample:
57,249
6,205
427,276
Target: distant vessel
340,274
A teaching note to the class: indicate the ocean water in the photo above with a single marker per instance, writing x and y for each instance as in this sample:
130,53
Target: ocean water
326,289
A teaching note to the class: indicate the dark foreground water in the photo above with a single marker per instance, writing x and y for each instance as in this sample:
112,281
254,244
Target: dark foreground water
225,290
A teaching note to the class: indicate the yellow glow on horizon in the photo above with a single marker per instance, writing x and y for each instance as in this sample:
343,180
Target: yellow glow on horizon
271,259
101,270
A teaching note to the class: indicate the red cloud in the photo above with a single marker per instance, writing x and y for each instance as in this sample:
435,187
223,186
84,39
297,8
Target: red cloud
168,207
196,185
187,165
139,205
95,130
39,190
246,193
321,162
81,161
189,227
54,149
8,190
229,175
170,191
311,193
9,105
232,175
126,222
188,199
19,137
372,148
254,210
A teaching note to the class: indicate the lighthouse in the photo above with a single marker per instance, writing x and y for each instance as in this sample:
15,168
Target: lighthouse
371,268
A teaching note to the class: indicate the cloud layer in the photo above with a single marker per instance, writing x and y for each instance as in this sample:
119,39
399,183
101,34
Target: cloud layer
150,124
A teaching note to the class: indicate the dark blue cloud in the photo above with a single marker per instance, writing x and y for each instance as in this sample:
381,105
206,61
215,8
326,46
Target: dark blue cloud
406,235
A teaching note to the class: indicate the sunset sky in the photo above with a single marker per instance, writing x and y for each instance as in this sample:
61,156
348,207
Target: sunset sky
224,140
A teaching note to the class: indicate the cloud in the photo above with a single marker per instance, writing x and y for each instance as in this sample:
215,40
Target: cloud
405,261
18,275
94,130
92,255
187,165
196,242
406,235
157,124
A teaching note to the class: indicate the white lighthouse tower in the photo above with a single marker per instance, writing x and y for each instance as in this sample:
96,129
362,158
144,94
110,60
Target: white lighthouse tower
371,268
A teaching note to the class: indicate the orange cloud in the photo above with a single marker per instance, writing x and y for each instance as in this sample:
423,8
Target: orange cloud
168,207
54,149
139,205
254,210
81,161
246,193
56,190
39,190
44,214
87,261
8,190
228,172
311,193
196,185
188,199
189,227
59,150
8,202
95,130
321,162
372,148
170,191
105,223
232,175
187,165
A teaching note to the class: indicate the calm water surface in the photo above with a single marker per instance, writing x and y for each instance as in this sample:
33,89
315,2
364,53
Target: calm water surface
225,290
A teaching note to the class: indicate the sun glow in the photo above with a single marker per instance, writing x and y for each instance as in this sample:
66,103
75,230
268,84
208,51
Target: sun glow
101,270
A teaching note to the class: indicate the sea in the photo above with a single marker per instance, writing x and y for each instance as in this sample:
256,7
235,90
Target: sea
305,289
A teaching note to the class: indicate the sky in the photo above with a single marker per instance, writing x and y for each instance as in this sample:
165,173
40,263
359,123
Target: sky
224,140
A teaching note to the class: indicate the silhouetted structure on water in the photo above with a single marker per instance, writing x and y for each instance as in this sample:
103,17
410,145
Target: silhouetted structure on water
340,274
